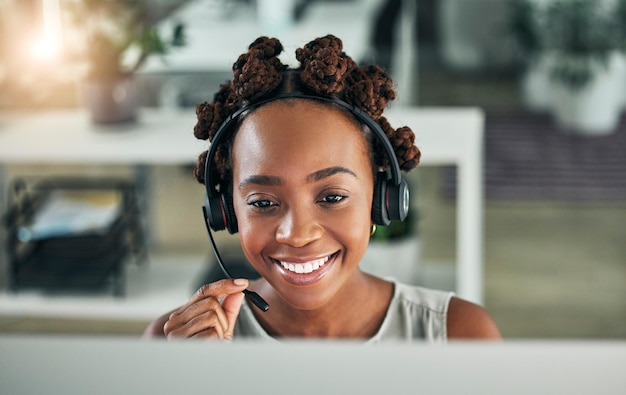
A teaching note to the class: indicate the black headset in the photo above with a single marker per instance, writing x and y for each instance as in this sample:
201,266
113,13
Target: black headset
391,192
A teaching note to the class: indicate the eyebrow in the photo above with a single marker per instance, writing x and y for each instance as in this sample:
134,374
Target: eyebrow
316,176
330,171
261,180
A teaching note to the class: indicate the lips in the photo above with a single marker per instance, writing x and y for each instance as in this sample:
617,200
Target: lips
305,272
305,267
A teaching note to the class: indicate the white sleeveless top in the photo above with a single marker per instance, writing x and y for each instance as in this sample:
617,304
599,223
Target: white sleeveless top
415,313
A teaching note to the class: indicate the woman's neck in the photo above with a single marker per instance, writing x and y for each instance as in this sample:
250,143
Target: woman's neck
355,314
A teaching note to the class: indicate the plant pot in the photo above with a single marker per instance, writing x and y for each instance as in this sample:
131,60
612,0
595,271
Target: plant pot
594,109
398,259
111,101
535,84
466,33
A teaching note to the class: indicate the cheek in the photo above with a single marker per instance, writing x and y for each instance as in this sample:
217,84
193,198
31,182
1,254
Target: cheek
352,228
252,233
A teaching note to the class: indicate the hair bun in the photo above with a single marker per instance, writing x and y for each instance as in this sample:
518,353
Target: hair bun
209,118
323,64
258,71
371,89
198,170
403,142
269,47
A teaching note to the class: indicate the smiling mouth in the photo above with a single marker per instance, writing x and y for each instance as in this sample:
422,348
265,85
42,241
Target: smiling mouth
305,267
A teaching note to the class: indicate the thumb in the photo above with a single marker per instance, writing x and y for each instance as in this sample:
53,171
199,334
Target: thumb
232,305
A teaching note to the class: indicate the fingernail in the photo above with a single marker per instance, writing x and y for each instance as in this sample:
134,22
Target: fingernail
240,281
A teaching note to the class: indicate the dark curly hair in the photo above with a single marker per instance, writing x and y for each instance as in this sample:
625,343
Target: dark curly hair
326,71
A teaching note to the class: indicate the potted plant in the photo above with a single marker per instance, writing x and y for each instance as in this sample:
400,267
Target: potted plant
119,35
525,24
587,72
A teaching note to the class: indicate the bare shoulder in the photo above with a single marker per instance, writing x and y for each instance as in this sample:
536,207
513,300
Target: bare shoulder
467,320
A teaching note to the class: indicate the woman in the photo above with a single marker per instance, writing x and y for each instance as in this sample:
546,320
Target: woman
299,166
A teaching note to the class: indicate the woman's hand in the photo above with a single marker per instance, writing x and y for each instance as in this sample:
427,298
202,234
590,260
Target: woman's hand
204,316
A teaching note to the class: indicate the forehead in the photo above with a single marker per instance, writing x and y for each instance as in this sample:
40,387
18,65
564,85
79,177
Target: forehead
301,134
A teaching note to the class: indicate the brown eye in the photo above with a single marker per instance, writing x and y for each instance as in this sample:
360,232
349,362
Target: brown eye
262,204
333,198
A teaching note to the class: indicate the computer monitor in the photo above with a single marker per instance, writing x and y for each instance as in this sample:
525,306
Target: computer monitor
89,365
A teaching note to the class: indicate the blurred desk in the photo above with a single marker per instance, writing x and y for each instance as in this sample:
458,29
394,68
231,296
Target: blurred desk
449,136
445,136
166,283
69,137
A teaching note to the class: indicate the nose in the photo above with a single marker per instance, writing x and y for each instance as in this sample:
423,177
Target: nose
298,228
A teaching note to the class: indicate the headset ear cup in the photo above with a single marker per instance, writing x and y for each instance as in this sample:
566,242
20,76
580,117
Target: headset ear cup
397,201
229,213
379,204
216,218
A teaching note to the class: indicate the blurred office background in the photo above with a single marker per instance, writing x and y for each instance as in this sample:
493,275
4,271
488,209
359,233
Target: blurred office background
554,218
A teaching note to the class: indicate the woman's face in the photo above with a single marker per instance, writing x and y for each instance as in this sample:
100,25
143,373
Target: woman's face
302,193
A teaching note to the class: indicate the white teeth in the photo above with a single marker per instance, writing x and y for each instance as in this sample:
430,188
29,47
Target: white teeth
307,267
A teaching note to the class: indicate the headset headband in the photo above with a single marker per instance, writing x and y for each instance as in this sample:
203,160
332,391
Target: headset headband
222,132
